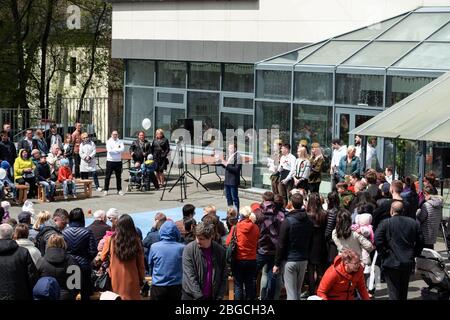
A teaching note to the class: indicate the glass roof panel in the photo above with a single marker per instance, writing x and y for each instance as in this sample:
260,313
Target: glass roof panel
334,52
416,27
370,32
293,57
427,56
380,54
442,35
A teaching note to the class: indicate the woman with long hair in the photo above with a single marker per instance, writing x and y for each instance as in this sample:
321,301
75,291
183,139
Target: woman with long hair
333,203
345,238
317,262
126,259
160,149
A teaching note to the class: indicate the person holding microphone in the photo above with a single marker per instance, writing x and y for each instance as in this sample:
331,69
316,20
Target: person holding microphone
114,149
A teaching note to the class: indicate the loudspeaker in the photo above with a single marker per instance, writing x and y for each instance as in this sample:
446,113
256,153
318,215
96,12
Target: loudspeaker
187,124
441,162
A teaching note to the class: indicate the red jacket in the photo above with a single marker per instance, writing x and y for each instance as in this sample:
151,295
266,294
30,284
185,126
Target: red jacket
337,284
64,173
247,234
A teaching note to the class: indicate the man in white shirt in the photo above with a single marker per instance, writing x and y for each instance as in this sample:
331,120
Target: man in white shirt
339,151
286,169
371,154
114,148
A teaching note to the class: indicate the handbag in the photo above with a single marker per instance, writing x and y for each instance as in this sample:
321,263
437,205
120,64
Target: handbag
28,175
232,247
103,281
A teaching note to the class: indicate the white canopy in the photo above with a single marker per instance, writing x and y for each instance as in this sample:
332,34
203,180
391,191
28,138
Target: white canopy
423,116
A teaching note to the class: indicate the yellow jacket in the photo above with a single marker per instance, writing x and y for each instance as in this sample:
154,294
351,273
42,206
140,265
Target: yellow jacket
20,164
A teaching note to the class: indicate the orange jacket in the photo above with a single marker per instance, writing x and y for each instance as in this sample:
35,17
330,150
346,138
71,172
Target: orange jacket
247,234
64,173
337,284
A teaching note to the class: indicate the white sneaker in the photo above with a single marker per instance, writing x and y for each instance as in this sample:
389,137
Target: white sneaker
74,196
105,193
121,193
66,197
99,189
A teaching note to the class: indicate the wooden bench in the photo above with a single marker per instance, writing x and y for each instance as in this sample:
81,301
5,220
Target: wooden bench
84,185
22,193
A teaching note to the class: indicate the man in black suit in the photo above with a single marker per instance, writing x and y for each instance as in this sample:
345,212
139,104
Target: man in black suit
233,167
28,143
398,240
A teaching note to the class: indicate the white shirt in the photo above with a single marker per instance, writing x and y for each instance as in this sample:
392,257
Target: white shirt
371,152
114,149
287,163
337,156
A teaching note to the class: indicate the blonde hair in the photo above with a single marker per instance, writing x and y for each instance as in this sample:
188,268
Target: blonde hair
161,131
303,152
84,135
56,241
246,211
42,217
210,209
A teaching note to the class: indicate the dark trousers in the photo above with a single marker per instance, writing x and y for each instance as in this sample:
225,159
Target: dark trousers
165,293
86,283
429,246
274,183
77,159
85,175
315,273
314,187
285,189
268,293
115,167
397,281
244,272
232,194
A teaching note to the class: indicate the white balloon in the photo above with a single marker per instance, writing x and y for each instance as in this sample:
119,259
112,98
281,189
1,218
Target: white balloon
2,173
146,123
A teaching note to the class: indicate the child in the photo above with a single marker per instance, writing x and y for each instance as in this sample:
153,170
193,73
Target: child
136,174
68,149
148,173
6,182
6,206
363,226
66,178
43,174
345,196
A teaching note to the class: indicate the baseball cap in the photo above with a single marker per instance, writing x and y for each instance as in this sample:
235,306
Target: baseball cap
24,217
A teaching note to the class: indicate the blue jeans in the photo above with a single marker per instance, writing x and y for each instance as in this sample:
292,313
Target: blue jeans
269,284
232,196
244,272
50,188
69,185
85,175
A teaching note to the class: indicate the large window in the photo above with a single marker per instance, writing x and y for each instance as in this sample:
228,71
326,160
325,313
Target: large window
169,119
274,85
399,87
204,76
237,103
269,116
171,74
238,77
313,87
138,106
241,122
203,106
313,124
140,73
355,89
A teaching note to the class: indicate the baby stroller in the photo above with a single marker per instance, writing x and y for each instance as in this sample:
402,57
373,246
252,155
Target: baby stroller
135,180
148,173
431,267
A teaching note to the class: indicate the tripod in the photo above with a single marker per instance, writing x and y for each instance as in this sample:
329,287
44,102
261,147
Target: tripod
184,173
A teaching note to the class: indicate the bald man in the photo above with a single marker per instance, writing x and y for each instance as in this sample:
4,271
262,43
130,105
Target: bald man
398,240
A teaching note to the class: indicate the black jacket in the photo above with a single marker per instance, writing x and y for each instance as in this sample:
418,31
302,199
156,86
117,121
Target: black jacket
99,229
80,244
194,270
9,152
233,171
398,240
17,272
23,144
59,141
42,171
294,243
381,212
140,154
44,234
54,264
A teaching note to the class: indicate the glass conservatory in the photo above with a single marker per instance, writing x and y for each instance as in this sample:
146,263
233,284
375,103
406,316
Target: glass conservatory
325,90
